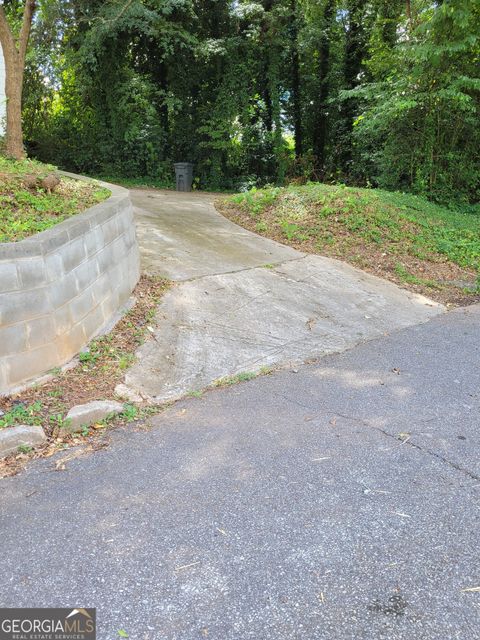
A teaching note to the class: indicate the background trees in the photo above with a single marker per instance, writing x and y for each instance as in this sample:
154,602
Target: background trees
380,92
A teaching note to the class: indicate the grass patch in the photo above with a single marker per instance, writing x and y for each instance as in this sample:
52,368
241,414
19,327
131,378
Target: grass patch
243,376
28,208
418,244
132,183
195,394
167,183
21,413
228,381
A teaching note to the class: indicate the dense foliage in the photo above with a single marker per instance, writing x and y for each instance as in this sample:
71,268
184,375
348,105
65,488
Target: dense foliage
369,92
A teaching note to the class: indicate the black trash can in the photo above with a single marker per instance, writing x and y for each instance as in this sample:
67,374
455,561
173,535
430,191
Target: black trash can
184,175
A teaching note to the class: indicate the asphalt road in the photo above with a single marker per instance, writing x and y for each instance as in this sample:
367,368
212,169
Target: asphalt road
336,502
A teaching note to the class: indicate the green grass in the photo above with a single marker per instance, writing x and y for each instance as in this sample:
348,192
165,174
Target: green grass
34,415
28,210
156,183
414,238
22,414
243,376
167,183
231,380
405,276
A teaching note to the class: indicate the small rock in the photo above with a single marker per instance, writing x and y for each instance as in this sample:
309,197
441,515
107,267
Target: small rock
30,181
50,183
122,391
11,438
83,415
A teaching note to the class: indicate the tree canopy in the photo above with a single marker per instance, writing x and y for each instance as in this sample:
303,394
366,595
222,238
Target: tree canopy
371,92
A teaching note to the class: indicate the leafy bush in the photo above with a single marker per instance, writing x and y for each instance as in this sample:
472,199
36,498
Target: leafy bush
419,130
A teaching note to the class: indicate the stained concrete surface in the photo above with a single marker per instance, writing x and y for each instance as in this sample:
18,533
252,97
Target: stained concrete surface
182,237
243,302
337,503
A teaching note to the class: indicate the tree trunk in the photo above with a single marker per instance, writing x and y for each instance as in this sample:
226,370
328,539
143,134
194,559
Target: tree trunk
355,50
408,11
14,52
266,68
296,98
389,14
13,92
321,108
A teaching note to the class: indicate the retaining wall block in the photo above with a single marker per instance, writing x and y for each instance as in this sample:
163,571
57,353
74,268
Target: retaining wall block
8,277
32,272
62,286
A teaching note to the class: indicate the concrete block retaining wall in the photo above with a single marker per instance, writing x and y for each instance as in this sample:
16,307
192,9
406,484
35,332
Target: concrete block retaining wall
59,288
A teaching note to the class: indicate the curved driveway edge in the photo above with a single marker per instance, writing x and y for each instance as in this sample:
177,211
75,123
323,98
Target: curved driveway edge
244,302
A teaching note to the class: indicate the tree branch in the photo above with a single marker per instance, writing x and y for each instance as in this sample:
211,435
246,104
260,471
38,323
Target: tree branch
6,36
122,11
25,30
125,8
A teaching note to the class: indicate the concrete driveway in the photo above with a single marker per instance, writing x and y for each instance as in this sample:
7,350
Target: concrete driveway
339,502
243,302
